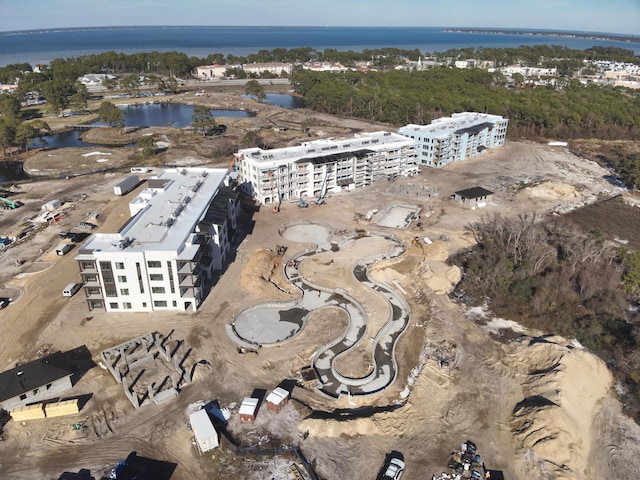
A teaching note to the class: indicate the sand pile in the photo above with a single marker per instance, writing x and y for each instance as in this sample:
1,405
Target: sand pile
332,429
427,266
562,389
263,277
549,191
434,271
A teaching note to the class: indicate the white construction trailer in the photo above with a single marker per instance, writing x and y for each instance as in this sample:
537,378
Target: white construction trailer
126,185
204,431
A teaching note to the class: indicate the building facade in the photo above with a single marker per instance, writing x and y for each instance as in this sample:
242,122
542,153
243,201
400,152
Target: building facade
179,233
318,167
211,71
275,68
460,136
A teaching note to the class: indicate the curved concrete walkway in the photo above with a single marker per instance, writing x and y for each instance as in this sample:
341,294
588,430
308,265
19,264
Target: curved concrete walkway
273,323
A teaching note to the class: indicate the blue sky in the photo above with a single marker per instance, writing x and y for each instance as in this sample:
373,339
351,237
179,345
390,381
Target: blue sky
614,16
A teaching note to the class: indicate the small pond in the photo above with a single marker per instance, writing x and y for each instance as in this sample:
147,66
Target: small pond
168,114
282,100
143,115
11,171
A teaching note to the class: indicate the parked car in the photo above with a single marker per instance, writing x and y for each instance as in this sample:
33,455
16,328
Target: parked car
393,467
86,225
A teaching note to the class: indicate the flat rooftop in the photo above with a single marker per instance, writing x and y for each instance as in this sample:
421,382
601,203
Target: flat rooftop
170,207
459,123
325,150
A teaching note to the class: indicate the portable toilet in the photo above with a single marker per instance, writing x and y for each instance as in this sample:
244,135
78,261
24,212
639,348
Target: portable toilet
277,399
248,410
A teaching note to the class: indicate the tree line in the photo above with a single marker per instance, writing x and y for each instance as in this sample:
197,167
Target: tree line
568,109
177,64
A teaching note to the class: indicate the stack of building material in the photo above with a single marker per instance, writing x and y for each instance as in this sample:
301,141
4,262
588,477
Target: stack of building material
277,399
31,412
248,410
59,409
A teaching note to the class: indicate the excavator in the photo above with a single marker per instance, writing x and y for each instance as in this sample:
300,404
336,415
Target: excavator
416,242
6,203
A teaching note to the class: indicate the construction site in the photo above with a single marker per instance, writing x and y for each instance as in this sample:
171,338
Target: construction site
328,340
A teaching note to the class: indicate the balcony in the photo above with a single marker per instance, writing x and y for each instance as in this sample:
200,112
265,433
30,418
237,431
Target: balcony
91,283
189,281
94,296
188,292
88,267
185,267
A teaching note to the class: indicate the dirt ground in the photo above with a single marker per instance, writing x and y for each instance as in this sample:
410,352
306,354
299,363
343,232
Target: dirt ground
455,381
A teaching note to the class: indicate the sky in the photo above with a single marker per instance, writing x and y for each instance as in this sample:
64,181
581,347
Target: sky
611,16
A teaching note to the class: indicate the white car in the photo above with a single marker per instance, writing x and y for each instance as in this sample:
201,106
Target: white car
394,469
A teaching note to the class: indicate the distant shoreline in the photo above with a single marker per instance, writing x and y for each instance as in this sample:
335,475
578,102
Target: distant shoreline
549,33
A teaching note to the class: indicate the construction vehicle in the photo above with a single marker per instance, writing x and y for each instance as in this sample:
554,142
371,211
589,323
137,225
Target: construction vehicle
416,242
9,204
323,188
302,203
280,250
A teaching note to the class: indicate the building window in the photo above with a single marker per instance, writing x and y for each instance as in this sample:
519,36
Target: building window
124,291
119,266
156,277
126,305
175,303
160,303
144,304
114,305
105,265
140,284
23,396
154,264
171,285
157,289
122,278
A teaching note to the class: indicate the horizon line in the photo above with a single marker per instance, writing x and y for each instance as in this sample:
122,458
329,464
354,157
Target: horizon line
474,28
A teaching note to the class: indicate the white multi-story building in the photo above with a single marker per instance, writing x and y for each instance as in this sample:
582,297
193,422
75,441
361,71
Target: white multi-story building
314,168
275,68
179,233
211,71
454,138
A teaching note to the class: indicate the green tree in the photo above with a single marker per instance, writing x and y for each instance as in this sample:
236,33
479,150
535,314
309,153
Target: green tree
27,131
110,83
131,84
111,114
57,93
171,85
8,127
10,105
631,276
78,101
253,87
252,139
202,120
148,145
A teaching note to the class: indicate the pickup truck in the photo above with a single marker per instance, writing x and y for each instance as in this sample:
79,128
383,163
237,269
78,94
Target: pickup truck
393,467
